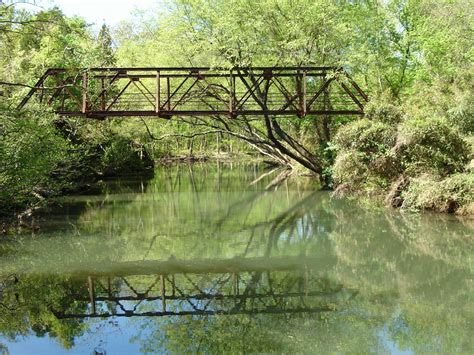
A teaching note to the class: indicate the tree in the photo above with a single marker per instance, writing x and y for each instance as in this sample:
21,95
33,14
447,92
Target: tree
200,32
105,47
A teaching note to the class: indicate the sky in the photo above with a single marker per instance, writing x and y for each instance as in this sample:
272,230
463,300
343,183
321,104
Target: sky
99,11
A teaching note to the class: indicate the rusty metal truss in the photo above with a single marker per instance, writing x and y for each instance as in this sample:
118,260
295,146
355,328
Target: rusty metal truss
260,285
166,92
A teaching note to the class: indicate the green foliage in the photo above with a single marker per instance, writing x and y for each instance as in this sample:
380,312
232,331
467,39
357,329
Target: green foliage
43,156
446,97
373,156
120,156
349,168
370,138
364,157
29,309
105,46
384,108
242,32
454,193
30,151
431,145
31,42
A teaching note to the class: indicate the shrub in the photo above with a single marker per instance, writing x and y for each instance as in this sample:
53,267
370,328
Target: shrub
420,164
349,169
383,110
42,156
431,146
364,157
370,139
121,156
452,194
30,150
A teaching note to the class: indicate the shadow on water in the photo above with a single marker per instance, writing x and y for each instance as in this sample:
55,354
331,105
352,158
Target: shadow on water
206,258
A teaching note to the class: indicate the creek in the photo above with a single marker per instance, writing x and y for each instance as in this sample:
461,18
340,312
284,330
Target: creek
212,258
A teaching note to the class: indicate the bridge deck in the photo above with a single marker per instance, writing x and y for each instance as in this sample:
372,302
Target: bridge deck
165,92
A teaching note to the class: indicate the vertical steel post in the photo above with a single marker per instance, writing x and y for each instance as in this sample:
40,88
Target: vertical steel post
158,89
325,93
102,94
304,93
41,92
231,94
168,95
85,84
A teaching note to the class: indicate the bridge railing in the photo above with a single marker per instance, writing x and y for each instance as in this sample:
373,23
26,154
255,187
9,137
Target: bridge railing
164,92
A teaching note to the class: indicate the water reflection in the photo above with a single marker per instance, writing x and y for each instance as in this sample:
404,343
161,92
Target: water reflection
206,258
253,286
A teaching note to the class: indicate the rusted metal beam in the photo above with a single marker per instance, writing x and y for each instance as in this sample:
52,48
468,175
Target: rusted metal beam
85,88
168,114
129,92
174,69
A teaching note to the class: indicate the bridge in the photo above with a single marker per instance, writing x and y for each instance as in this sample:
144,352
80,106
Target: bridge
251,285
166,92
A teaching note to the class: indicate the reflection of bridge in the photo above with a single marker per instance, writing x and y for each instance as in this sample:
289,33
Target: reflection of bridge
164,92
235,286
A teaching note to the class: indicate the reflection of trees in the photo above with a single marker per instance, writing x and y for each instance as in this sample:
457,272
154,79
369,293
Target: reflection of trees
26,303
417,268
411,272
176,217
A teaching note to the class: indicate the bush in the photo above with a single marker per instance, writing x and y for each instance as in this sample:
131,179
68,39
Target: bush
431,146
419,164
364,157
121,156
369,138
43,156
349,169
452,194
99,150
30,150
383,110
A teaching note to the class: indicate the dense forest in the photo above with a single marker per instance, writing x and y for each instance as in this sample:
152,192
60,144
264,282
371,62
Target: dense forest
412,149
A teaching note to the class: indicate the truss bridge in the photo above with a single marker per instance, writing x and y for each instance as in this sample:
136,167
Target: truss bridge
166,92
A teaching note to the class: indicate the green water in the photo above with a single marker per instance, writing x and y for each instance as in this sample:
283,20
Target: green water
208,259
